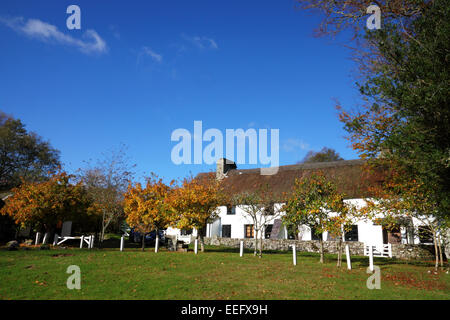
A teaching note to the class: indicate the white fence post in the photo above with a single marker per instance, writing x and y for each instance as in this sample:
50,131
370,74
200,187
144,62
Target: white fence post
81,242
294,255
55,239
347,254
156,244
241,249
91,242
44,241
38,238
390,250
121,243
371,257
196,246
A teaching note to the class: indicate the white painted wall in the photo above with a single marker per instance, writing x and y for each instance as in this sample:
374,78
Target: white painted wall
177,233
237,222
368,233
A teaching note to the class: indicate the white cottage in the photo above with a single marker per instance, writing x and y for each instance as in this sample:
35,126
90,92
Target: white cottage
349,176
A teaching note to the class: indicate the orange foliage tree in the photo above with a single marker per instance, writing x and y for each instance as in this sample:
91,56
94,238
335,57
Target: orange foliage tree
400,200
147,209
43,205
195,203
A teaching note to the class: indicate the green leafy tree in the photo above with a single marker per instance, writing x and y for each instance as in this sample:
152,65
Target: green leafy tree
403,123
324,155
313,200
23,154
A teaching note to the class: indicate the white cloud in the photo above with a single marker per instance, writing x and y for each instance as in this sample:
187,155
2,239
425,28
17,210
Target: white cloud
201,42
149,52
290,145
114,31
43,31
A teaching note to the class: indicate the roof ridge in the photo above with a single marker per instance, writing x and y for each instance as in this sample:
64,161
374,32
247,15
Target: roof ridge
306,166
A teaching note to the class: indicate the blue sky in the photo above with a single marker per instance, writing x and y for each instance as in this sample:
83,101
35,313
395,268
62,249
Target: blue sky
137,70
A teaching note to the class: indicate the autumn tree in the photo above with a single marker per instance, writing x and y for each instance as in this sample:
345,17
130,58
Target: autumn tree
403,79
324,155
312,202
258,204
350,15
401,202
339,222
23,154
43,205
106,182
148,209
196,202
402,123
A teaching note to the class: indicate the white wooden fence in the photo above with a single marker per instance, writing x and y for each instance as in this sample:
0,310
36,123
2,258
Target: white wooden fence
383,251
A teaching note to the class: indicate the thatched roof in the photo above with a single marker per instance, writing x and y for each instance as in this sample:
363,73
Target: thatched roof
5,194
349,175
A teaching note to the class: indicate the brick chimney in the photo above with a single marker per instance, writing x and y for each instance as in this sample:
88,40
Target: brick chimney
223,166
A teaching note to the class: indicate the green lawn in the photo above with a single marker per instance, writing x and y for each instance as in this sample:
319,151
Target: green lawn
218,273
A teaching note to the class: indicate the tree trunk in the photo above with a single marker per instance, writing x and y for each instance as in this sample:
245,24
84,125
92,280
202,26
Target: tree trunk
436,253
143,241
260,244
202,242
321,250
255,252
47,234
339,259
102,234
440,251
296,233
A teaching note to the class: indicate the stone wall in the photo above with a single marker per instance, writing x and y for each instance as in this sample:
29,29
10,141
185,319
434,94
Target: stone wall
356,248
413,251
400,251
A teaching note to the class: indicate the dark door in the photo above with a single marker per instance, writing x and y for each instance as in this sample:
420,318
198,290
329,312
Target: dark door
226,231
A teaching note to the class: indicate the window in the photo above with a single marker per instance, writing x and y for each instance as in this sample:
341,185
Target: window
226,231
314,235
268,231
186,232
231,209
352,234
249,231
392,235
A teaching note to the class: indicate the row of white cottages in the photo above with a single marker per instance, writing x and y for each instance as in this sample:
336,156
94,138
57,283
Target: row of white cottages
234,222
